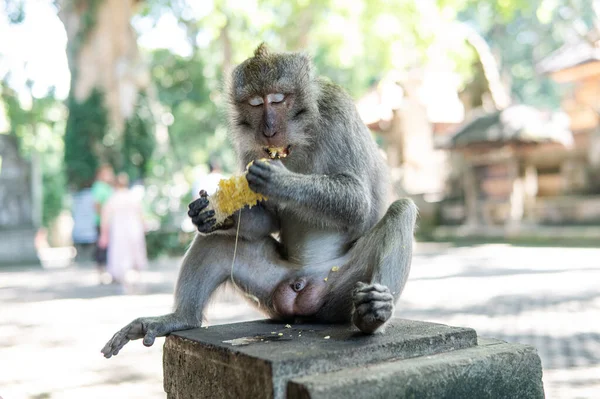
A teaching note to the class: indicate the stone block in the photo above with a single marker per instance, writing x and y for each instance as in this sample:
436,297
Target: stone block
258,359
17,247
493,369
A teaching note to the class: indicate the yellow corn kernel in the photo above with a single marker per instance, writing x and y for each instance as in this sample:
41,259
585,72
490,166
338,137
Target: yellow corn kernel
277,152
233,194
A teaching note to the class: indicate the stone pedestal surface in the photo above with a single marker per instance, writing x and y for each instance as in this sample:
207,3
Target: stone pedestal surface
258,359
264,359
493,369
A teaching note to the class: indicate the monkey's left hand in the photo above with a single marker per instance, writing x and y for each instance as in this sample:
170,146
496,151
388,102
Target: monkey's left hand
268,178
204,220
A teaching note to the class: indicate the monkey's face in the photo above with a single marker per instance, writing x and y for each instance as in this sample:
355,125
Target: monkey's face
272,105
269,121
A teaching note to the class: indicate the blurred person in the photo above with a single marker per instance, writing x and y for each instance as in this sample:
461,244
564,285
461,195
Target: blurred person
210,181
102,190
123,232
85,226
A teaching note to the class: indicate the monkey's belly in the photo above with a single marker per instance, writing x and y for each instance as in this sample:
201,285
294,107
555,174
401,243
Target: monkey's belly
312,246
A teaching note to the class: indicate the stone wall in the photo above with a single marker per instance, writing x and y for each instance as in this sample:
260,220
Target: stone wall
570,209
17,230
15,186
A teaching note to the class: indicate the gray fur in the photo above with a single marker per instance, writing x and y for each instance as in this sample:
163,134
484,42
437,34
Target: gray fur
327,202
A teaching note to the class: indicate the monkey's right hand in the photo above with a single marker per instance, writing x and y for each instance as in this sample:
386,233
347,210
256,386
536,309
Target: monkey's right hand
148,328
205,220
144,327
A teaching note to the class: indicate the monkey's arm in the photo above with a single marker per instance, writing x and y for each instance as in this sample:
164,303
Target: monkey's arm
339,199
197,280
256,223
259,269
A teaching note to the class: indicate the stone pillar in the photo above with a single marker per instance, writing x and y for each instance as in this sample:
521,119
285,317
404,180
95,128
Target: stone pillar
264,359
471,195
517,195
17,230
531,189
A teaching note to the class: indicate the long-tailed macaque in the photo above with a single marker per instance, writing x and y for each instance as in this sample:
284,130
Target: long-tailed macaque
322,247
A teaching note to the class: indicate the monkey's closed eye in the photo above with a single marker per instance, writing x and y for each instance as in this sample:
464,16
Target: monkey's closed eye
243,122
299,285
256,101
275,98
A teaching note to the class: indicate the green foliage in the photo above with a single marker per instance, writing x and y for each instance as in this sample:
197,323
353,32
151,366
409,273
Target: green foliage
197,127
17,115
138,142
376,35
503,11
170,243
39,130
89,16
54,194
521,33
86,126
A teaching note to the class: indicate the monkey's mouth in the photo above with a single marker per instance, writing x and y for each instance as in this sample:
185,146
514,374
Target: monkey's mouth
278,152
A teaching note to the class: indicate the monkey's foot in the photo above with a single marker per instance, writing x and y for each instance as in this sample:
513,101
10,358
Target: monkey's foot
373,306
144,327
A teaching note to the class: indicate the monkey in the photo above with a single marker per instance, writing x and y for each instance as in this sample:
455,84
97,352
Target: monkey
324,246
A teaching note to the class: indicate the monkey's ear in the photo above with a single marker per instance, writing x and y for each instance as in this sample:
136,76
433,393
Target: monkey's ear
261,51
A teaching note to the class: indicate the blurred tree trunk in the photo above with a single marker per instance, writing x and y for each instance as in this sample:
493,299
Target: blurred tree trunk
102,52
487,88
225,40
108,96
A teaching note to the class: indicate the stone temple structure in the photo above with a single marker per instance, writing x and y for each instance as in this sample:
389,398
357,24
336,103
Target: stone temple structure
17,230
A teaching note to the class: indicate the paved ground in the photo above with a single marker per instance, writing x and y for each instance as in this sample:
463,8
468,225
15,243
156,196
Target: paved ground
54,322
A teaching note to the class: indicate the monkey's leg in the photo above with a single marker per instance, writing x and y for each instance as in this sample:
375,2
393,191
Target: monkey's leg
206,265
386,250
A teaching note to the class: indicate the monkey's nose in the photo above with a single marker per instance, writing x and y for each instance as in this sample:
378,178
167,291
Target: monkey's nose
270,132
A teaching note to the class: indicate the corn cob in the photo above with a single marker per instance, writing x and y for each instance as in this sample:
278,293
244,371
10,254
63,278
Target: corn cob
233,194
